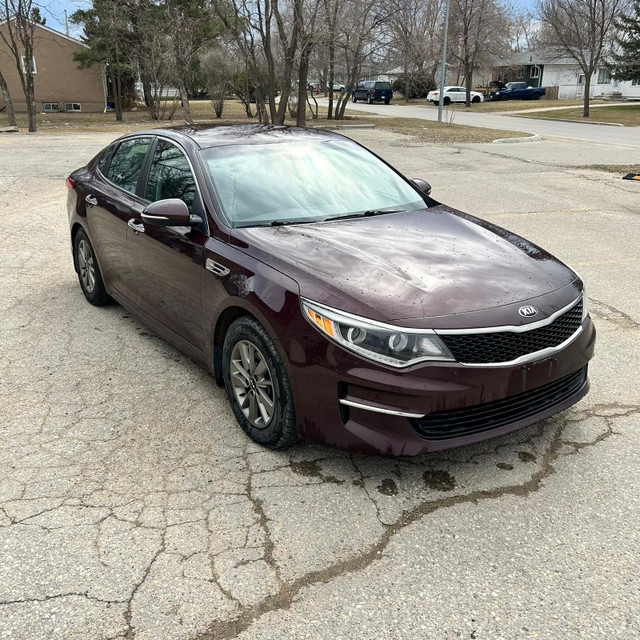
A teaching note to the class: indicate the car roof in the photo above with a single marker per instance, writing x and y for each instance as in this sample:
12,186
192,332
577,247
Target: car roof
206,136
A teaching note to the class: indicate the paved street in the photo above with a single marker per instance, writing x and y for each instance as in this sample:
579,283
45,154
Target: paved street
133,507
603,134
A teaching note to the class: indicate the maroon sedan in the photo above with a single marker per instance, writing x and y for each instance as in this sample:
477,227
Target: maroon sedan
333,298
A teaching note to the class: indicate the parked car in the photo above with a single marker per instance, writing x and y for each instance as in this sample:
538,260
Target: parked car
366,316
454,94
373,92
515,91
337,86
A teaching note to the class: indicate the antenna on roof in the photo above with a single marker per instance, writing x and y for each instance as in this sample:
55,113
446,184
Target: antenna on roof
66,22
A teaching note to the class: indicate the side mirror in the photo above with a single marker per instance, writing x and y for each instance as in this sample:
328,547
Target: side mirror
421,185
172,212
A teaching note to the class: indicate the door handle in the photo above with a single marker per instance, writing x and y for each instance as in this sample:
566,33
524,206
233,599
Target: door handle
138,227
92,201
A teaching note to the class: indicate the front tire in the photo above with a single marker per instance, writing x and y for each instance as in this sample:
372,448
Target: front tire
475,99
257,385
353,98
369,100
88,271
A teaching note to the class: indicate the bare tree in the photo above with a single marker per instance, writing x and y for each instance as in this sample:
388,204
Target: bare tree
478,30
21,17
415,28
8,102
218,76
583,30
308,40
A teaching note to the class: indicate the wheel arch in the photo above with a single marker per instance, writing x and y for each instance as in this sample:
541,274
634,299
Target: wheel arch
226,318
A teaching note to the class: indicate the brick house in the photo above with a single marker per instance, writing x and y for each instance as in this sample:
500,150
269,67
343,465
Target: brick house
59,84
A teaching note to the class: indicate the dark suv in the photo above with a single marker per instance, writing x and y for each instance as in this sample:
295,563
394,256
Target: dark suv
373,92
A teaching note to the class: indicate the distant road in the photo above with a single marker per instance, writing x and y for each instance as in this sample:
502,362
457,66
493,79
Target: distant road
623,136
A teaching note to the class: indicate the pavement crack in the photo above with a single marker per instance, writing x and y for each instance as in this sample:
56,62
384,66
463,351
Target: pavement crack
225,630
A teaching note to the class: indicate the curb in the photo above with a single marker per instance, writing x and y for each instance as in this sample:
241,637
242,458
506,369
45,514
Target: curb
337,127
606,124
534,138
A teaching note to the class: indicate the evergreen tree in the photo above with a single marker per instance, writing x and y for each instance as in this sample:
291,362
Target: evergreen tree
626,61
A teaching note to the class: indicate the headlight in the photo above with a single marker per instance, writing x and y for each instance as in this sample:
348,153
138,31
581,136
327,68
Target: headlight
394,346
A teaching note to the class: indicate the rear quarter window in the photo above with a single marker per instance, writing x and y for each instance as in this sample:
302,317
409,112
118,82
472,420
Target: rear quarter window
383,85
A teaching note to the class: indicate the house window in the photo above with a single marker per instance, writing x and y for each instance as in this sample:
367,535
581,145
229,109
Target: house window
50,107
72,106
520,73
23,62
603,76
580,79
535,71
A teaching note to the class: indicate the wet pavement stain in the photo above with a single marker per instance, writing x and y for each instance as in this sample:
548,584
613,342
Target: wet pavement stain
504,466
307,468
525,456
388,487
439,480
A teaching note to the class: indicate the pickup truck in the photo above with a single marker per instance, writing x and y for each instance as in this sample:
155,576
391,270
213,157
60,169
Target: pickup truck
515,91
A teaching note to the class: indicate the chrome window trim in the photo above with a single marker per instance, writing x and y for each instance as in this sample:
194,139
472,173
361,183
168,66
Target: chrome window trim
390,412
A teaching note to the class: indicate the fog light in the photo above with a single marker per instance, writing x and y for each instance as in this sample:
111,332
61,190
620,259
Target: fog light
426,347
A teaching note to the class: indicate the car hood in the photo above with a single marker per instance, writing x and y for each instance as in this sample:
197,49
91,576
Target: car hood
428,264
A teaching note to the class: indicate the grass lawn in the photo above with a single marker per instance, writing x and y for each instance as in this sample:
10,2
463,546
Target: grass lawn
628,114
490,106
202,112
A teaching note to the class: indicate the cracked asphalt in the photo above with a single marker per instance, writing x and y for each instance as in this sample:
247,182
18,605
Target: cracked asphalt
132,506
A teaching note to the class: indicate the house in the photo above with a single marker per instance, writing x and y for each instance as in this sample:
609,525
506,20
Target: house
544,69
59,84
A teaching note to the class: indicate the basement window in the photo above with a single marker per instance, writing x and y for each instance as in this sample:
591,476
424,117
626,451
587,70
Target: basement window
50,107
73,106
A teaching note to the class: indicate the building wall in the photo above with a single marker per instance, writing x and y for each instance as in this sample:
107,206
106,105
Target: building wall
57,77
565,77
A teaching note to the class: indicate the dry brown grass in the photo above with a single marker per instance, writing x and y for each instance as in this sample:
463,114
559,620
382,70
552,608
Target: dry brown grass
202,111
627,115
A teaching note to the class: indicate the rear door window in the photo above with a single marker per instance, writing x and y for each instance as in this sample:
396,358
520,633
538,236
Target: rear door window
127,163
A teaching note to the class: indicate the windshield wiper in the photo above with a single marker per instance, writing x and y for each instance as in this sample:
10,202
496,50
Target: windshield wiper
365,214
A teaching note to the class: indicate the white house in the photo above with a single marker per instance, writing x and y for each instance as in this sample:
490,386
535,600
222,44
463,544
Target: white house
543,69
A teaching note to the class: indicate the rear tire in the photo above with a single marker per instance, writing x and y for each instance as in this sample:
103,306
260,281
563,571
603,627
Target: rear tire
369,100
446,101
536,96
257,385
353,98
387,100
475,99
86,266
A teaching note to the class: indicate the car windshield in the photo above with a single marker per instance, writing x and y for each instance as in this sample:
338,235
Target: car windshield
302,181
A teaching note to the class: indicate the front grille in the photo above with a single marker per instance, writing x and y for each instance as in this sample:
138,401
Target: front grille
504,346
454,423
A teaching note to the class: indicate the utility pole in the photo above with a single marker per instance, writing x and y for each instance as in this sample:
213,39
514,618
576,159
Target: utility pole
443,73
66,22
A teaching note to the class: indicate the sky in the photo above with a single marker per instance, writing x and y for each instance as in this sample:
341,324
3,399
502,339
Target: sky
54,11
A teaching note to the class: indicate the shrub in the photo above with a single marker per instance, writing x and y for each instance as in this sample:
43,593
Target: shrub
420,83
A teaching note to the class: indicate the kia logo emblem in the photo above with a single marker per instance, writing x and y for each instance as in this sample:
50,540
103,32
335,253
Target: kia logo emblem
528,312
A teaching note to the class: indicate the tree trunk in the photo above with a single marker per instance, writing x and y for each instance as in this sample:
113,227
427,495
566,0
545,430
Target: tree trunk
11,115
185,103
146,91
587,91
332,75
31,103
303,75
468,80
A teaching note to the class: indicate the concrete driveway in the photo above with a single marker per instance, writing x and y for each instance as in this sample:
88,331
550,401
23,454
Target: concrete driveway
132,506
603,134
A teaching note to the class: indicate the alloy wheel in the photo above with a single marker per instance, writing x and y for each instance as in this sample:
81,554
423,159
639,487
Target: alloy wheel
252,384
86,266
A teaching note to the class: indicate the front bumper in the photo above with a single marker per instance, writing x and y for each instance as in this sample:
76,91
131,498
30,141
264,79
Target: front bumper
322,374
